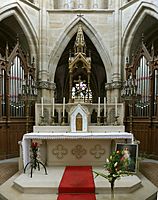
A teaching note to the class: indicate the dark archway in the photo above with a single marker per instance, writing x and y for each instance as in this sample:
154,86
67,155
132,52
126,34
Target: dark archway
98,74
10,30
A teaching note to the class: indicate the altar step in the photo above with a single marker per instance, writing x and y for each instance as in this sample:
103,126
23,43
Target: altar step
22,187
49,184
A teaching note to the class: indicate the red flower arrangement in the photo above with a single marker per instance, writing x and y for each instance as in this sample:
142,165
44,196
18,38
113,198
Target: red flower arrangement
34,151
117,166
34,162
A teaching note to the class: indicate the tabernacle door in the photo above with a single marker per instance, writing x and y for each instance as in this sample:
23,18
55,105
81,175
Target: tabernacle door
79,122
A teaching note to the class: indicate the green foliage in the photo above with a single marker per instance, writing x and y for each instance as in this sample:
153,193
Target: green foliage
116,165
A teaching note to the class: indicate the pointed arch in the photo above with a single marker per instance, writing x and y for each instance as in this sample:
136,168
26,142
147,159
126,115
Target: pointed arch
143,10
66,37
20,15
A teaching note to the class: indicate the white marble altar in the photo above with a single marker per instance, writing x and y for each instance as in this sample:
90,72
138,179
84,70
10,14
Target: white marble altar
74,148
78,142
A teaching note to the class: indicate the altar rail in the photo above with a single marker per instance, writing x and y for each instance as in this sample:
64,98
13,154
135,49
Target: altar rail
114,113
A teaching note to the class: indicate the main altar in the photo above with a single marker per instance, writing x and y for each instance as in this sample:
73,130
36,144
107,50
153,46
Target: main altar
81,126
73,144
78,125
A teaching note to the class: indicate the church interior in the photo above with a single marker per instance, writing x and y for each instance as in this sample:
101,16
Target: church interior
78,77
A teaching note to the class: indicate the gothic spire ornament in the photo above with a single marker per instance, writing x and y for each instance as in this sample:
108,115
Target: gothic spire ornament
80,45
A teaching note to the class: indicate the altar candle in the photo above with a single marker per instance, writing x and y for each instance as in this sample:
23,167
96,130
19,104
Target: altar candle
53,107
42,105
115,106
104,106
63,106
98,106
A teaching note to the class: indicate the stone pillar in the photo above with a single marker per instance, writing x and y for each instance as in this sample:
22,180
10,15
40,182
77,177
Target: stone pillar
108,92
112,91
69,4
115,3
117,24
80,4
43,46
47,90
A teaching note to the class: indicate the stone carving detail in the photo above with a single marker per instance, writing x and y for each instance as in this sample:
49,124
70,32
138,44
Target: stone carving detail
43,85
47,85
59,151
78,151
113,85
97,151
52,86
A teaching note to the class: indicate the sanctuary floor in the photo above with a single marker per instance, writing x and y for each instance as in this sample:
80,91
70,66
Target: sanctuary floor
7,168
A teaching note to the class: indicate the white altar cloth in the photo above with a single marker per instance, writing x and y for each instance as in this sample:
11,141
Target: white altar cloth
26,141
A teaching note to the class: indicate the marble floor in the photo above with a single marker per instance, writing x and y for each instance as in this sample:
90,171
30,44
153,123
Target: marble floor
21,187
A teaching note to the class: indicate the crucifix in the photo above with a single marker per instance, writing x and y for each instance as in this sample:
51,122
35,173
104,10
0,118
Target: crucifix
80,15
80,85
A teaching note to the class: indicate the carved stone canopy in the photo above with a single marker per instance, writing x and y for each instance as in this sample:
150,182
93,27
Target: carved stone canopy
80,53
80,44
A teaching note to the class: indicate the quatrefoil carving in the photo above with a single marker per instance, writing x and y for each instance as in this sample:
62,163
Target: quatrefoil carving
97,151
59,151
78,151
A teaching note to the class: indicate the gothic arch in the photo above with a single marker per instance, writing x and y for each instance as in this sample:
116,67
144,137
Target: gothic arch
144,10
19,14
66,37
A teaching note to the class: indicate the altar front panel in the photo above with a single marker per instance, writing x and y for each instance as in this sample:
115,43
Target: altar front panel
78,152
73,148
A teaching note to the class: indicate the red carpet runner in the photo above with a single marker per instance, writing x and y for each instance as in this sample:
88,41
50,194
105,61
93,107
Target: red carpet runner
77,184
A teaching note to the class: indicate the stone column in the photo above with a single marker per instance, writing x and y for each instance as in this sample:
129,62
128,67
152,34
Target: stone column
48,90
80,4
108,92
117,24
43,46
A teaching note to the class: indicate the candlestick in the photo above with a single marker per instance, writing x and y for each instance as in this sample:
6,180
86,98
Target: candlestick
98,106
104,106
53,107
42,106
115,106
63,106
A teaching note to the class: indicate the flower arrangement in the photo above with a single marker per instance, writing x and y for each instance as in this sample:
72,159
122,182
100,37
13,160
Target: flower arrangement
117,166
35,162
34,153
